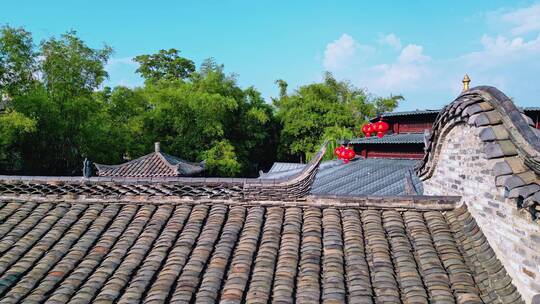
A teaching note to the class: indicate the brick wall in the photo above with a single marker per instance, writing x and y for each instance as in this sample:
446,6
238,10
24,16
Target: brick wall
462,169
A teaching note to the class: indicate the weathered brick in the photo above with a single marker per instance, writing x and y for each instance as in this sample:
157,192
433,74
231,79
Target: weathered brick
507,229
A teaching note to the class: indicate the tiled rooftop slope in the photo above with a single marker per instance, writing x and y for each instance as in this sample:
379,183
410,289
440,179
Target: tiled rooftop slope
403,138
210,252
53,188
483,149
155,164
359,177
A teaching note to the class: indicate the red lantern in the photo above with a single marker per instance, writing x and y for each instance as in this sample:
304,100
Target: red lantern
342,153
338,150
369,129
381,127
365,129
347,154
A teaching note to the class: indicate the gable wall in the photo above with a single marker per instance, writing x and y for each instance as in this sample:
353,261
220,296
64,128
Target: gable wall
463,169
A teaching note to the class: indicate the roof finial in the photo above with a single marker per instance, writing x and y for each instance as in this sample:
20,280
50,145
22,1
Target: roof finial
157,147
466,81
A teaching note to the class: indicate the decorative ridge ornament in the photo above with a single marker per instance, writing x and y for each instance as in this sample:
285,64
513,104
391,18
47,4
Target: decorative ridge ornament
466,82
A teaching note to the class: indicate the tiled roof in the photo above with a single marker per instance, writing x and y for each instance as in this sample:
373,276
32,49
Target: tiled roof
283,170
285,167
409,113
393,138
205,252
509,139
531,109
152,165
163,189
423,112
367,177
358,177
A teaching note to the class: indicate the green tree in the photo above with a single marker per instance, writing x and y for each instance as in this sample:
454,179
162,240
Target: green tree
124,112
52,122
70,123
17,62
198,116
221,158
71,68
13,125
254,132
17,68
282,84
166,64
188,121
387,104
330,110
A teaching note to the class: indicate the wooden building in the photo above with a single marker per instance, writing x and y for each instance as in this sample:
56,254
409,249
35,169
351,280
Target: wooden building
405,138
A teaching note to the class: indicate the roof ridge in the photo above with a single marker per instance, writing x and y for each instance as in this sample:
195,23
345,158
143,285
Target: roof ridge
122,164
167,163
295,187
506,133
471,107
155,164
383,202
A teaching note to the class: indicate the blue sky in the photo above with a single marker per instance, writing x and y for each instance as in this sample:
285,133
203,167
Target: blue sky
420,49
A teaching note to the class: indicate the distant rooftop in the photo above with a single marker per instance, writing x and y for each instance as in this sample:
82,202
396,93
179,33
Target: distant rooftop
156,164
427,111
408,113
359,177
402,138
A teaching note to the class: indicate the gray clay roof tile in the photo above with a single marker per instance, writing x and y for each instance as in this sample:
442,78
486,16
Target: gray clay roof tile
371,176
156,164
393,138
213,252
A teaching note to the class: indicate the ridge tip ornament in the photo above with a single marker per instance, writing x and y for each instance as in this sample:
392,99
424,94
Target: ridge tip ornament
466,83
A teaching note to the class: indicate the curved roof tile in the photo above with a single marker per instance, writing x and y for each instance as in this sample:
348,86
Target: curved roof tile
508,136
155,164
208,252
401,138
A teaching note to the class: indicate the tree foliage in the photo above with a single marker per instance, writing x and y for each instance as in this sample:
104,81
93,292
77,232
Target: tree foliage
196,116
330,110
166,64
17,61
55,112
68,120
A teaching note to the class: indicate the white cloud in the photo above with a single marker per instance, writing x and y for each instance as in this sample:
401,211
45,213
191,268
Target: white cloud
391,40
338,52
508,58
503,51
406,70
523,20
503,45
413,53
409,68
397,76
343,52
123,61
